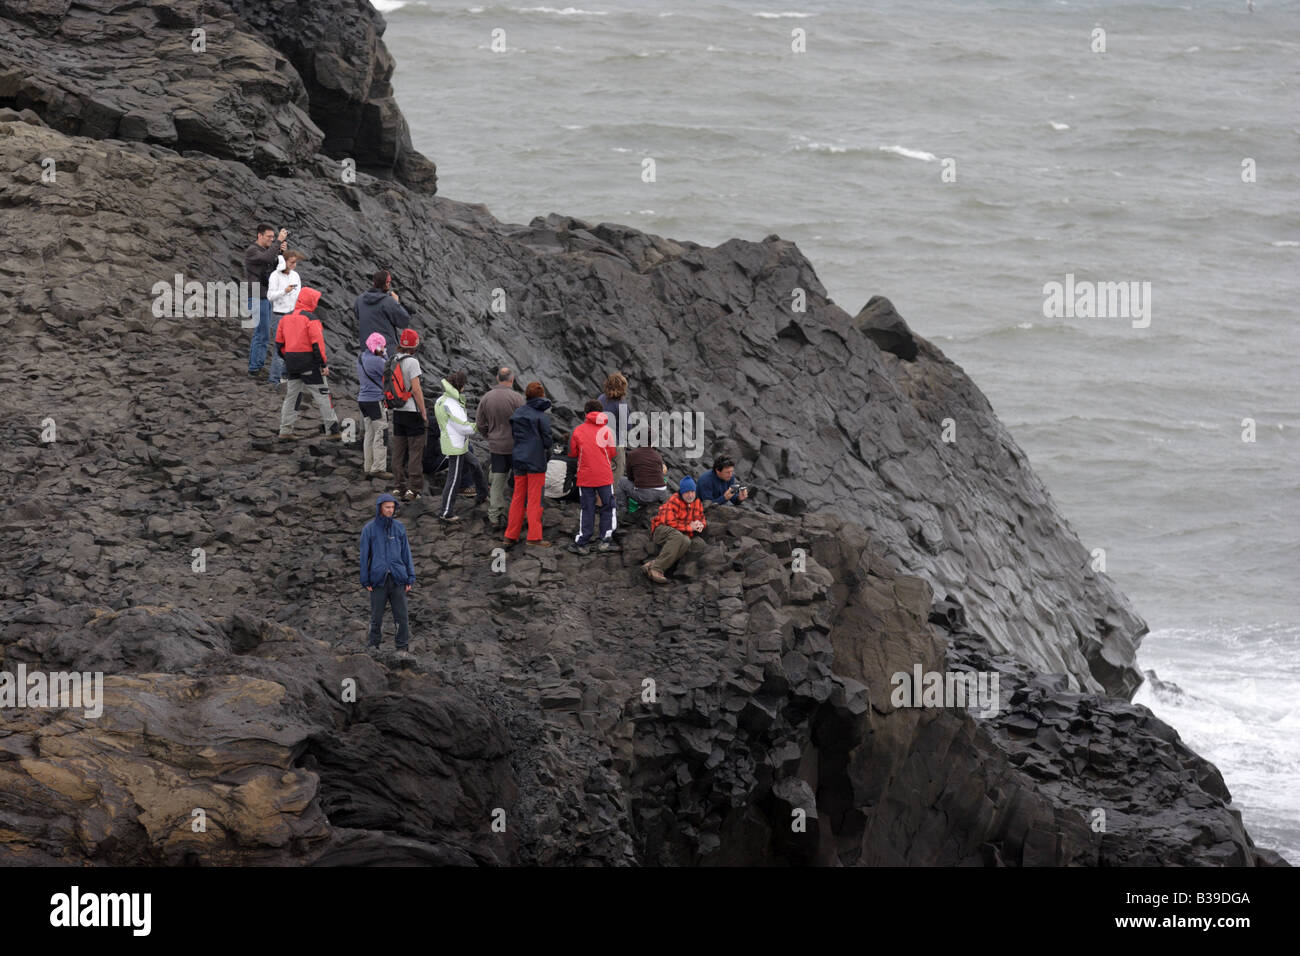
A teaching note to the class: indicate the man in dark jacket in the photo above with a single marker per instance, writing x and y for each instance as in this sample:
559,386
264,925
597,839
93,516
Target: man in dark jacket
379,310
493,422
530,428
260,260
720,486
300,343
387,571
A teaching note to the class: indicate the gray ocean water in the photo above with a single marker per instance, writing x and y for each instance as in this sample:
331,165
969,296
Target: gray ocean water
1115,166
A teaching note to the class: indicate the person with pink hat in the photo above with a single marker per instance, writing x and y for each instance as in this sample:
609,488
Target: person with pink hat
370,399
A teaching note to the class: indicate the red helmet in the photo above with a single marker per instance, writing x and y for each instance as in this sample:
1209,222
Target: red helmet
409,339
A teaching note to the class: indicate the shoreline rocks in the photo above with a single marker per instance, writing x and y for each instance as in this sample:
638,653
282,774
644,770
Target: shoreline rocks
527,696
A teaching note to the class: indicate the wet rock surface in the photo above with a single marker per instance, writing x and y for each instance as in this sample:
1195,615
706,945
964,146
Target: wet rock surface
525,730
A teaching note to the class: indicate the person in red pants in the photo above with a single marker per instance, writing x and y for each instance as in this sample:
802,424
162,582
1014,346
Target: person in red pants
531,425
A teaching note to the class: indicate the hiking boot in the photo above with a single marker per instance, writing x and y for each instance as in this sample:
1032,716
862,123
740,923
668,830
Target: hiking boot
286,436
397,493
576,548
404,655
510,543
654,574
411,496
382,475
468,492
540,544
334,434
608,545
254,373
449,520
499,524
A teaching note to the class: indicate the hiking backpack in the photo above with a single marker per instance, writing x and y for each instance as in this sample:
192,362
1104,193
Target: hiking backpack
561,478
397,391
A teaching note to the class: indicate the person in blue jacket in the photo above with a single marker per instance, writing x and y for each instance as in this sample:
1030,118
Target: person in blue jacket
387,571
719,485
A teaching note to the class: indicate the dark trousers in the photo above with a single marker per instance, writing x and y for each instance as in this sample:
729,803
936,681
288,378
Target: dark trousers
587,518
455,468
407,451
390,592
469,472
409,437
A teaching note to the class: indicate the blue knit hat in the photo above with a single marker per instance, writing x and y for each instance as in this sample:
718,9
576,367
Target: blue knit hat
687,484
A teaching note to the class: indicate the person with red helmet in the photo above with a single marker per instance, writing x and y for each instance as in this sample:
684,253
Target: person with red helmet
409,421
300,342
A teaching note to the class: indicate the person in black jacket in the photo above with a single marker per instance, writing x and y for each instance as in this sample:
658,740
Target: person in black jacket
261,259
531,425
379,310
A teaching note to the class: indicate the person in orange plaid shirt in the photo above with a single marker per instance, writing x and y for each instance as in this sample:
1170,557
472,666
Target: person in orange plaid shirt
676,522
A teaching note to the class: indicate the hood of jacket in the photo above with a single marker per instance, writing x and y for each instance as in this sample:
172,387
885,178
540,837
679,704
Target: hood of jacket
308,299
593,418
371,297
449,391
541,403
379,504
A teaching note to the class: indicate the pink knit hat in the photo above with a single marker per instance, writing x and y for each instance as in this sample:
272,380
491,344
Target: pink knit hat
376,342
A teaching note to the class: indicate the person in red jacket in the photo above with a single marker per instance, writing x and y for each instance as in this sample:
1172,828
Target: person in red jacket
678,520
592,443
300,341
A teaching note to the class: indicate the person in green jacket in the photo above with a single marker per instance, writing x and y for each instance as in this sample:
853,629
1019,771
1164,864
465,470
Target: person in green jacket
454,429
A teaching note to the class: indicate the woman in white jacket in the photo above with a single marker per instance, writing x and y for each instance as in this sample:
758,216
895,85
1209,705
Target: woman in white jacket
282,291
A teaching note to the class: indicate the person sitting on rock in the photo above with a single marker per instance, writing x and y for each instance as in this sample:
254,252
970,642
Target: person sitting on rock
370,399
530,427
675,524
644,482
592,443
454,429
379,310
409,420
720,486
300,342
387,571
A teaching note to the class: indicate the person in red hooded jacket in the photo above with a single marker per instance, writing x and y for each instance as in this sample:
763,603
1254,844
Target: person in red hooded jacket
592,443
300,341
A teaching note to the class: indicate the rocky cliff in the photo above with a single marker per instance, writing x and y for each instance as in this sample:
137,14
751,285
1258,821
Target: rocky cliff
131,156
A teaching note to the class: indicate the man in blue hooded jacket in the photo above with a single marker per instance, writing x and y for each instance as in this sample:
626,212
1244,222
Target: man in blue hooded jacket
387,571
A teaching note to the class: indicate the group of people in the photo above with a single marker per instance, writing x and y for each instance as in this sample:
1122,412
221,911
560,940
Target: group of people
608,479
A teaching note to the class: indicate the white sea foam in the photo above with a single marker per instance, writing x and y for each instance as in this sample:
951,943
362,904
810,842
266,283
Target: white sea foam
388,6
783,16
562,12
1056,125
909,153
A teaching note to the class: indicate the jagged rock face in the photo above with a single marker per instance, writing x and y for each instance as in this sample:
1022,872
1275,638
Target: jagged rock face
194,76
337,48
824,415
772,691
755,726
